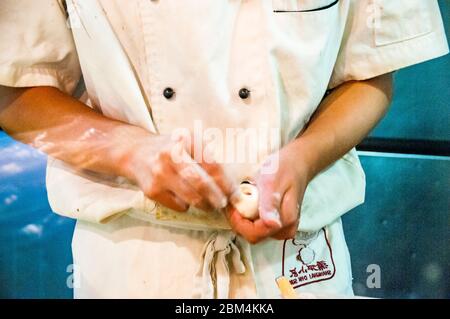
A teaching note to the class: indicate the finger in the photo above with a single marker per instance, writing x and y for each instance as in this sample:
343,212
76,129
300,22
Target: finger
269,200
289,215
217,172
252,231
185,191
290,207
220,177
201,182
170,200
287,232
187,194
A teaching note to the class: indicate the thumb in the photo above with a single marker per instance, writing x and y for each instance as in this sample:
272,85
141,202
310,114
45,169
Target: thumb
269,201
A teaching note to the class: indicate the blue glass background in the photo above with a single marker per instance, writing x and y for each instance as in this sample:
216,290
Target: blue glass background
420,109
34,242
403,227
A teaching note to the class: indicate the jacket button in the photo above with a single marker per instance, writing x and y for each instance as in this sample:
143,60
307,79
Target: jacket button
168,93
244,93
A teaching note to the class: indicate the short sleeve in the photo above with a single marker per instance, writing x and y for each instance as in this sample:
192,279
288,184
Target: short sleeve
36,45
382,36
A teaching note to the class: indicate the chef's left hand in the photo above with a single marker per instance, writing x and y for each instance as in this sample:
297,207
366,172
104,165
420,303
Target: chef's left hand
281,182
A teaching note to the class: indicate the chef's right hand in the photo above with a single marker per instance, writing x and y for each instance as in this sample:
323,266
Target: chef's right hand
166,172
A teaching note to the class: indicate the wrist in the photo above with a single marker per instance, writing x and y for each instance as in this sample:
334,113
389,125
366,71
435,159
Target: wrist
306,158
125,148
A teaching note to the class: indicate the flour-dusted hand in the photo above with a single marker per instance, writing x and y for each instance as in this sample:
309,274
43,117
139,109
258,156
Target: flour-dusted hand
281,184
166,172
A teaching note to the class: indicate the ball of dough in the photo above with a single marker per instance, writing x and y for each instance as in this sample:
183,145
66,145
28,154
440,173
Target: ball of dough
247,201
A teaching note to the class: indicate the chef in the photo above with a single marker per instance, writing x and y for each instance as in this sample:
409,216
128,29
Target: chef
206,149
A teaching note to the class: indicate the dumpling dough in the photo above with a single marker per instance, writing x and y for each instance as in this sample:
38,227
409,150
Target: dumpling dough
247,201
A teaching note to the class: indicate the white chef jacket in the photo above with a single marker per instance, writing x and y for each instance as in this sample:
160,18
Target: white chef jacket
286,53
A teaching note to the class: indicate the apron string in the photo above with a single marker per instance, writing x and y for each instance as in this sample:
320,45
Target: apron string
213,276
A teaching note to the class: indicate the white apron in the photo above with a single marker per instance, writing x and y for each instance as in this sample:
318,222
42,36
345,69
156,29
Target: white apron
135,258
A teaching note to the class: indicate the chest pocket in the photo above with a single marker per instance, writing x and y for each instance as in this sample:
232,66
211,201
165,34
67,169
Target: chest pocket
400,20
281,6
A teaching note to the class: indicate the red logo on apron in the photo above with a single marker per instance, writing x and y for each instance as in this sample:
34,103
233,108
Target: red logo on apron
308,259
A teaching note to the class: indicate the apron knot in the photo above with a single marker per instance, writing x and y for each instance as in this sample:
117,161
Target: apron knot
213,276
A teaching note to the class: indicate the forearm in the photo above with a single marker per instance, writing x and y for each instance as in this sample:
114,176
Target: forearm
65,128
344,118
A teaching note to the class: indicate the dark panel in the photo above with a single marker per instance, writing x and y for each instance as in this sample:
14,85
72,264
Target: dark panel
405,146
420,109
404,227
